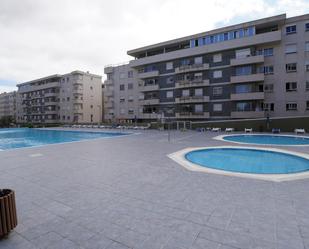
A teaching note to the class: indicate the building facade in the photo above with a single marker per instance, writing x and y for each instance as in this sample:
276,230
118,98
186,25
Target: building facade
8,104
250,70
75,97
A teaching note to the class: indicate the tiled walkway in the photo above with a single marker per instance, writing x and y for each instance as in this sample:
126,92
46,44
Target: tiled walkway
126,193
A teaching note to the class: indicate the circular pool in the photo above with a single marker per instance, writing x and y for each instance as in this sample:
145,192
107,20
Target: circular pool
248,160
286,140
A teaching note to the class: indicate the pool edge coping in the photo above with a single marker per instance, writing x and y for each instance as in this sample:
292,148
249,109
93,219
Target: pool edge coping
221,138
179,157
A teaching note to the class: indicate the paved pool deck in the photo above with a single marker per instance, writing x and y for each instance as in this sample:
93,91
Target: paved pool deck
126,193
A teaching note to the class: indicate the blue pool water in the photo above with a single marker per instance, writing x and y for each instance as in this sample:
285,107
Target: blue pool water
24,137
248,161
268,139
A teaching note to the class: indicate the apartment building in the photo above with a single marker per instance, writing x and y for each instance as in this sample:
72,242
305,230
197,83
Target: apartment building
75,97
250,70
8,104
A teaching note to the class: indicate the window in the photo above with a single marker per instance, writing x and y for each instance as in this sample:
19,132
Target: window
198,77
269,107
291,106
217,91
268,69
68,98
169,65
290,29
307,46
198,108
307,26
243,53
241,88
109,76
307,105
307,66
290,48
291,67
169,94
245,70
268,51
291,86
130,74
130,99
122,99
217,107
217,57
268,88
185,93
130,86
130,111
198,92
307,85
217,74
121,87
198,60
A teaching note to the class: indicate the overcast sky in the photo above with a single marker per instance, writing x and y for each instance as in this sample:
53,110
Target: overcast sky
43,37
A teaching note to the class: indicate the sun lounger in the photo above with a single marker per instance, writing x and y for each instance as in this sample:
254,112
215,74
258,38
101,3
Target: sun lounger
275,130
248,130
299,131
229,129
216,129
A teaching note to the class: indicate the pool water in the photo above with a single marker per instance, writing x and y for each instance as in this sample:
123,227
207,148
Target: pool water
268,139
248,160
25,137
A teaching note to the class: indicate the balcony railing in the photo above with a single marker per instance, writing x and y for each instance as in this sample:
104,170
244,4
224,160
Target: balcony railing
192,99
247,96
147,88
247,114
191,83
192,115
149,101
191,68
254,59
143,75
247,78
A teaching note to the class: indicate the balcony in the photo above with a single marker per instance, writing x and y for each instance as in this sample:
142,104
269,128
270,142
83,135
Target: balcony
51,112
247,60
192,115
149,88
191,68
50,94
108,69
148,74
149,102
149,115
192,99
191,83
77,90
247,78
247,96
108,82
247,114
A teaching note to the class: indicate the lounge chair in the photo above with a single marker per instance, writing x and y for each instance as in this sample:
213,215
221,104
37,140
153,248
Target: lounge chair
275,130
217,129
248,130
299,131
229,129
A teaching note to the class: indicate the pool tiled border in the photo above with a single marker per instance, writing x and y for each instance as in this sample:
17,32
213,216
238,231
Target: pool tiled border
221,138
179,157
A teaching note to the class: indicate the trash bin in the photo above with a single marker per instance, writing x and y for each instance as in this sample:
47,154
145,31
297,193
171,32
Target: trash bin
8,216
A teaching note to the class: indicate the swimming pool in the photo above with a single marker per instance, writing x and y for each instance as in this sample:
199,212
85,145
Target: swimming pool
281,140
25,137
248,160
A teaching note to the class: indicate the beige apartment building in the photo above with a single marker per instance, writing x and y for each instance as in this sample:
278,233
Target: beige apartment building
8,104
249,70
75,97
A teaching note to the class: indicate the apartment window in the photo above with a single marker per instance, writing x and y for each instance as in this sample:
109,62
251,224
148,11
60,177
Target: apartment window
307,105
307,85
268,52
217,74
290,29
290,48
130,111
217,91
169,65
307,66
169,94
130,99
307,46
130,74
269,107
198,76
217,107
198,60
268,69
245,70
243,88
291,106
109,76
307,26
68,117
291,86
122,99
68,98
198,108
291,67
130,86
268,88
91,106
243,53
185,93
217,57
121,87
198,92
